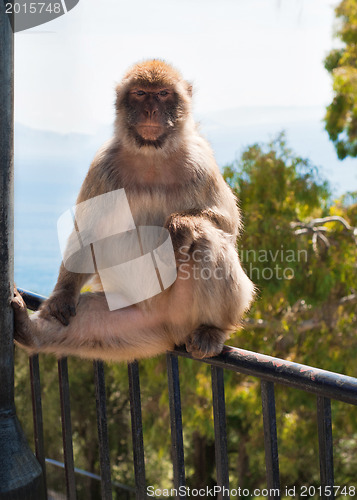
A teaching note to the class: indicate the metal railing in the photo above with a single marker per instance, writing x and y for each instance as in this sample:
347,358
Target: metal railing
324,384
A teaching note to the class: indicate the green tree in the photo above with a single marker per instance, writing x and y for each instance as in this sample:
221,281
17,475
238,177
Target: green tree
341,115
306,314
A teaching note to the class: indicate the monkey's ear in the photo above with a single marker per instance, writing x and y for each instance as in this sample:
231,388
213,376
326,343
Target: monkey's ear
189,88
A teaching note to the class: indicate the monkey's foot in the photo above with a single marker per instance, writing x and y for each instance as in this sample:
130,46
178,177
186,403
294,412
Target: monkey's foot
206,341
23,331
61,306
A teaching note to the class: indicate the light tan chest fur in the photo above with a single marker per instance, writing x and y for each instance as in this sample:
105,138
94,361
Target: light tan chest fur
153,206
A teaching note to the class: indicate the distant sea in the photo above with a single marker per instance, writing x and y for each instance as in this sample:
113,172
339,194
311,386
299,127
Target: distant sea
50,167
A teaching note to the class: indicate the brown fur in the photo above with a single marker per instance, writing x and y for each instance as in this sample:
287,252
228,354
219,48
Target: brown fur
171,180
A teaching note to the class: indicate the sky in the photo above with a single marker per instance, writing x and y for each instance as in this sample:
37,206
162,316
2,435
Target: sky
235,52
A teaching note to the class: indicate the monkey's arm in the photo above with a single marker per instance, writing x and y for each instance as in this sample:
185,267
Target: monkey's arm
219,219
216,203
63,301
187,226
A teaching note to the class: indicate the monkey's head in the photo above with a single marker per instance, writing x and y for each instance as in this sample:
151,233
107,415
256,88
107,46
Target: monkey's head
153,102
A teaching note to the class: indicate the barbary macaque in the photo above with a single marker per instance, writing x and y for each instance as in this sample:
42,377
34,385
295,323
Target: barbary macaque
171,180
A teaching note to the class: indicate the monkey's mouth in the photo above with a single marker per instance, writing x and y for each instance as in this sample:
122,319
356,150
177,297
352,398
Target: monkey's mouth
150,132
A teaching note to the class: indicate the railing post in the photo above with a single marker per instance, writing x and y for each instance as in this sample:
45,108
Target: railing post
20,473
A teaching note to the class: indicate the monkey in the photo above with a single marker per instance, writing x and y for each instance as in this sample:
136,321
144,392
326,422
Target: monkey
171,179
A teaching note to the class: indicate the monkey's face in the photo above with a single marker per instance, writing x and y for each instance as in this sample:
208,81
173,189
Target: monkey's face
151,114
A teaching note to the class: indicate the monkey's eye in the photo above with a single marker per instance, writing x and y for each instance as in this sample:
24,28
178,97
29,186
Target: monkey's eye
163,93
140,92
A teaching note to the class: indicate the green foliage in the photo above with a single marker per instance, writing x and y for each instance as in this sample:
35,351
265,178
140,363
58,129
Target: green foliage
299,315
341,115
274,188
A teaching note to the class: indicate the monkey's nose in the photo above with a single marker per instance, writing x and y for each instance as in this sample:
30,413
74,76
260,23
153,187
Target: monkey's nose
150,113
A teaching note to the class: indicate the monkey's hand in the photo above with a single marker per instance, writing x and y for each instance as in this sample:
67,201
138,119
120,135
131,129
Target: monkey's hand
182,229
186,230
61,305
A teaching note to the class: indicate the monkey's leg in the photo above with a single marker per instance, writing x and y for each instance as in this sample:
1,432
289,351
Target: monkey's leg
95,332
221,290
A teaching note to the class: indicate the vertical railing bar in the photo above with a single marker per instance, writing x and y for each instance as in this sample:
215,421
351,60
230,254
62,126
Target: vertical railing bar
219,414
270,439
20,472
137,430
99,380
66,428
37,415
324,424
178,457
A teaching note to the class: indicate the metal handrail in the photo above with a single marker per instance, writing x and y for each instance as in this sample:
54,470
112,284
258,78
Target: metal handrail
324,384
315,380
